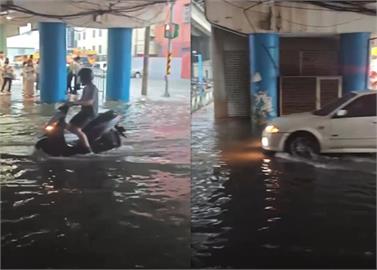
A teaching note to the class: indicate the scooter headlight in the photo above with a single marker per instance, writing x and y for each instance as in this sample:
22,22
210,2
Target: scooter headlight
50,127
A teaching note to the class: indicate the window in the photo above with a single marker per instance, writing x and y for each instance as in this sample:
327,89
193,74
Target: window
99,49
100,33
78,36
328,108
93,47
187,13
153,31
94,33
84,35
363,106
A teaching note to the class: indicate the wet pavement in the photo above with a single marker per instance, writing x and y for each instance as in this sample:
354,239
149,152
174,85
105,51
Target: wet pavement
126,208
255,211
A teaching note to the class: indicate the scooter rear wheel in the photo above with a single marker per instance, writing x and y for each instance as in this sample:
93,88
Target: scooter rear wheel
108,141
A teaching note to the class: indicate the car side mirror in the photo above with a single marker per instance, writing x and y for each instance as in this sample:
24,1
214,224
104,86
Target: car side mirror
341,113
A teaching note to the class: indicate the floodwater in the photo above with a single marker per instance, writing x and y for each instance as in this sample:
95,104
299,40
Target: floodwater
255,211
127,208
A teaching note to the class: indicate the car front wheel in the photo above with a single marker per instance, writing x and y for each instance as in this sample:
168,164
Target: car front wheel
303,146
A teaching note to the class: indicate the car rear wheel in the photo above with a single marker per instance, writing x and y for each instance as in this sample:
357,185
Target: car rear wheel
303,146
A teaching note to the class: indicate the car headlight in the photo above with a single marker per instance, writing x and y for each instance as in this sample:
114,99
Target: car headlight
265,142
271,129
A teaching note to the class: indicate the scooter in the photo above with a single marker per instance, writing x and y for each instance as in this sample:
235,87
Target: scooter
103,133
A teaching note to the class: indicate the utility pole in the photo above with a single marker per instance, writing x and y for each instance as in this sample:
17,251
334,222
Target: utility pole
144,82
168,57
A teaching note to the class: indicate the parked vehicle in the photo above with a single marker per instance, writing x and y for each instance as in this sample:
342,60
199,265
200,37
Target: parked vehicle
136,73
100,65
101,68
347,125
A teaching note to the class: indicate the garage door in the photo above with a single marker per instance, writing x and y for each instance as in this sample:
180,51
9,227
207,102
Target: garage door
237,83
307,93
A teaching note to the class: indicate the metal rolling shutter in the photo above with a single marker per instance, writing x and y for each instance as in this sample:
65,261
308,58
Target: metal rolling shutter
315,63
237,83
297,94
329,90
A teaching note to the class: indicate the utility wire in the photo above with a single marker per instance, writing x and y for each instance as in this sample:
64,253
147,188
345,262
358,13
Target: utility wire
110,10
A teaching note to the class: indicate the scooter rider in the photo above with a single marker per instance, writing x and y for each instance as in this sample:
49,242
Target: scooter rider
89,107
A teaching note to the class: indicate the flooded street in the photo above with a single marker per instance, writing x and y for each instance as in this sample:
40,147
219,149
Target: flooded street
125,208
254,211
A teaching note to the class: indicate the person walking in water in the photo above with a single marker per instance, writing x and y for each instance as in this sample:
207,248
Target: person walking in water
73,71
7,75
28,74
2,60
37,68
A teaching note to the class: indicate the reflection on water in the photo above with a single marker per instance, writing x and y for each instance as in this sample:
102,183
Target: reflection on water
254,211
126,208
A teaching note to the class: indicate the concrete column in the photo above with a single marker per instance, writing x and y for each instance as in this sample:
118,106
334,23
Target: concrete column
119,64
219,92
3,39
354,62
53,71
264,72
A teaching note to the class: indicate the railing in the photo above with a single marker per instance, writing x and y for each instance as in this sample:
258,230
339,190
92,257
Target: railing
201,95
100,81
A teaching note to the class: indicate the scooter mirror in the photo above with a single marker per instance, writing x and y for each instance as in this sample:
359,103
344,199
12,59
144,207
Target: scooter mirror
63,108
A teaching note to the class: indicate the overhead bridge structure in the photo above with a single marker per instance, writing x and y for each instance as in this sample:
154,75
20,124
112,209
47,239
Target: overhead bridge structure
51,17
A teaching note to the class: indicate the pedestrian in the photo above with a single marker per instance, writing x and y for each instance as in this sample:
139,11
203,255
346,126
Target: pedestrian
24,63
7,75
2,60
76,66
69,77
1,65
24,60
28,74
73,70
37,75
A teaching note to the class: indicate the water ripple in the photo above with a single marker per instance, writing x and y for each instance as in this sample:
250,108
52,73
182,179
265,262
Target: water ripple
253,211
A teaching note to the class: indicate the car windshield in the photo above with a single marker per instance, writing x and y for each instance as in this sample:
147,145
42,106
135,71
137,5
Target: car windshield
330,107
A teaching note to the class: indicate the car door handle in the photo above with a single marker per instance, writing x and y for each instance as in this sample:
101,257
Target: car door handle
374,122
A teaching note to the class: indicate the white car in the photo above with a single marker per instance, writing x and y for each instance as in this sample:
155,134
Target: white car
101,68
136,73
347,125
100,65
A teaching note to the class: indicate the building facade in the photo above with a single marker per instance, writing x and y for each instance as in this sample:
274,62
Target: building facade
275,59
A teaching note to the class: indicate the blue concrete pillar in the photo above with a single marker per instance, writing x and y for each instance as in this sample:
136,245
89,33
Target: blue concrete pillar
53,71
264,72
119,64
354,60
